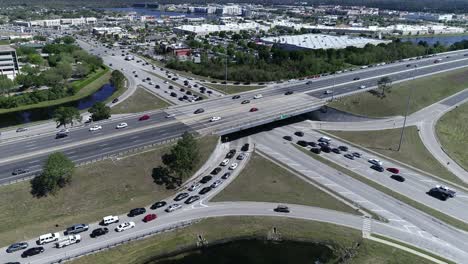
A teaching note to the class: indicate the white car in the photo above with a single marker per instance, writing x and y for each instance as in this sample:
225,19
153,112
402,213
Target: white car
233,166
171,115
258,96
121,125
173,207
194,187
225,162
216,184
375,162
95,128
362,87
328,92
215,118
125,226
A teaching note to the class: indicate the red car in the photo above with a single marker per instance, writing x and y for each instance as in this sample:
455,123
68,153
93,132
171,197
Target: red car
145,117
149,217
393,170
253,109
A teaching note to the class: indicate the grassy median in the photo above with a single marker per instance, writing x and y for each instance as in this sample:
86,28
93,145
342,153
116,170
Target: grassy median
337,237
425,91
232,89
98,189
452,131
264,181
141,100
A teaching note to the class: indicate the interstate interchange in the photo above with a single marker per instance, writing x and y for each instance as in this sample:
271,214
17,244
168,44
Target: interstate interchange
404,222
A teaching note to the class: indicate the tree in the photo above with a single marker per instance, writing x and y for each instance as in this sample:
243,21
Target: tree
64,70
183,156
6,85
81,70
57,173
117,79
385,84
100,111
35,59
66,115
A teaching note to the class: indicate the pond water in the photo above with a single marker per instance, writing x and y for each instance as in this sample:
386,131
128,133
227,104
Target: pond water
445,40
255,252
21,117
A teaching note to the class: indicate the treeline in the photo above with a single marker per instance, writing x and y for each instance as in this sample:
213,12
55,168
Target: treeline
276,63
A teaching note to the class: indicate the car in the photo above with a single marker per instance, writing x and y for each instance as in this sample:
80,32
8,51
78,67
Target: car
234,97
245,102
199,111
17,246
451,193
393,170
125,226
231,154
336,150
288,93
316,150
170,116
216,171
377,168
225,162
226,175
95,128
328,92
110,219
173,94
408,65
157,205
241,156
439,194
302,143
288,138
324,139
194,187
21,129
216,184
375,162
144,117
149,218
204,190
206,179
20,171
312,144
253,109
309,82
181,196
136,211
299,133
233,166
362,87
398,178
61,134
343,148
357,154
99,232
325,149
258,96
215,118
173,207
349,156
192,199
281,209
76,229
245,147
115,100
32,252
157,86
121,125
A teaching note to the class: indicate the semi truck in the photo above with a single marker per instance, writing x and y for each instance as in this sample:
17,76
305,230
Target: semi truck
69,240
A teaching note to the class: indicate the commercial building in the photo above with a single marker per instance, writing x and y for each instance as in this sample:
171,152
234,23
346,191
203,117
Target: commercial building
107,30
56,22
8,62
205,29
428,17
320,41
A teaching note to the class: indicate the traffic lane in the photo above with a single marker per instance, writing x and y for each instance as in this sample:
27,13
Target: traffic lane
455,99
92,151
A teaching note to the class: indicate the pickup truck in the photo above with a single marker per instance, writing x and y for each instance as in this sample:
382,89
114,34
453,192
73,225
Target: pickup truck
66,241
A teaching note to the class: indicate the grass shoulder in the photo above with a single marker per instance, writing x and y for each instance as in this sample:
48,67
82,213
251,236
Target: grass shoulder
233,89
214,229
264,181
141,100
425,91
98,189
452,131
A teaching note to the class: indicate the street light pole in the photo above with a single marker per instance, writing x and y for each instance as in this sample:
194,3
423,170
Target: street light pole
407,108
333,87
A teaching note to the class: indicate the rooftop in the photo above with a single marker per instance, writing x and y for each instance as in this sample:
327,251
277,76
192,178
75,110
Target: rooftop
6,48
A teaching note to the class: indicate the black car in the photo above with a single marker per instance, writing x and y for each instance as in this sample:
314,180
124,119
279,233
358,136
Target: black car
323,144
288,138
343,148
173,94
357,154
326,149
20,171
61,135
281,209
32,251
181,196
245,102
349,156
136,211
192,199
226,175
182,90
99,232
288,92
377,168
234,97
245,147
205,190
216,171
75,229
299,133
398,178
316,150
312,144
436,193
199,111
157,86
356,78
17,246
302,143
115,100
157,205
206,179
336,150
231,154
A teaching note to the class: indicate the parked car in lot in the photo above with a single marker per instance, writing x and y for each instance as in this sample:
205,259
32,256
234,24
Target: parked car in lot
233,166
17,246
144,117
205,190
393,170
225,162
206,179
158,204
181,196
226,175
282,209
149,218
398,178
377,168
99,232
375,162
173,207
32,252
192,199
216,171
125,226
136,211
76,229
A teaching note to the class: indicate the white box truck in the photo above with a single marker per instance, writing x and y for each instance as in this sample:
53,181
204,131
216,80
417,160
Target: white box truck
69,240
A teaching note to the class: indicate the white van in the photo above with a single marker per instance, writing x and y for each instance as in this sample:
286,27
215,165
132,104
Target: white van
110,219
324,139
47,238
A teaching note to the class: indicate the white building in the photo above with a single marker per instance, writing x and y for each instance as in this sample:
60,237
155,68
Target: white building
205,29
107,30
229,10
8,62
56,22
429,17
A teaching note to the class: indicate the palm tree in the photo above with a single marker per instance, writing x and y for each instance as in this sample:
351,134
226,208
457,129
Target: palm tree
385,83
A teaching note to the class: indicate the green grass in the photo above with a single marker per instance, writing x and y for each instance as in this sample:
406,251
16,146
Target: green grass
412,152
264,181
84,88
4,42
426,91
233,89
141,100
437,214
214,229
98,189
452,131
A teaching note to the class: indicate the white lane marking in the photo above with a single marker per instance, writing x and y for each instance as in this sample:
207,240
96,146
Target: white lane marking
34,161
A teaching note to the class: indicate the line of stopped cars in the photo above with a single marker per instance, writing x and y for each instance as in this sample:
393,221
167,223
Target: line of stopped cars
324,144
